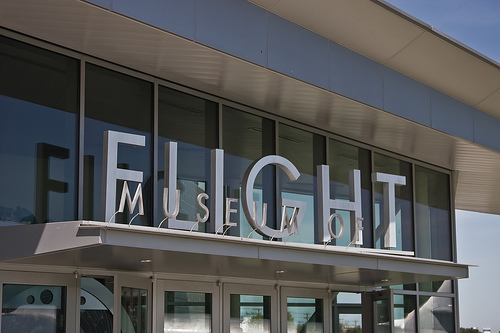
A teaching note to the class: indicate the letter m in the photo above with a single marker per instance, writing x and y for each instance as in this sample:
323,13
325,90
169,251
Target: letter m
131,203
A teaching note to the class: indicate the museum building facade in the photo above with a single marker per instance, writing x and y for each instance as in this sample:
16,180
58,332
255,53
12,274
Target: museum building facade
221,166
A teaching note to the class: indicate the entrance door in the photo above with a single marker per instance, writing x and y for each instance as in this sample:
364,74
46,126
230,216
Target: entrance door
250,308
305,310
187,306
382,307
135,304
37,302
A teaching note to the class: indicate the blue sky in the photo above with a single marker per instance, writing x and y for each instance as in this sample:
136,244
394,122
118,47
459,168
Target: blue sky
475,23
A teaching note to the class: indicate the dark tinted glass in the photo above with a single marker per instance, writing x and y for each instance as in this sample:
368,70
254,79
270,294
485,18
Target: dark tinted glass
403,204
247,138
433,216
305,150
116,102
437,286
191,122
342,159
38,150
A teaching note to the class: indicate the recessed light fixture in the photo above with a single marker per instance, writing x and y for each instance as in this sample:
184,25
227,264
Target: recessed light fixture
384,280
146,260
280,272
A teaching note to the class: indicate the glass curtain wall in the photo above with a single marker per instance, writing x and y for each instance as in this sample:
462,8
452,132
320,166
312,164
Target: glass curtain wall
433,214
39,93
342,159
247,138
403,203
192,123
116,102
305,150
39,102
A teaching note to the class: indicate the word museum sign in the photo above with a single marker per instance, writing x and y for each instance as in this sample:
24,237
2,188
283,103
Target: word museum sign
289,225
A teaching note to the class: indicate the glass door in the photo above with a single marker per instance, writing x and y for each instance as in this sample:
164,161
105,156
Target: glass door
37,302
135,297
187,306
250,308
382,305
305,310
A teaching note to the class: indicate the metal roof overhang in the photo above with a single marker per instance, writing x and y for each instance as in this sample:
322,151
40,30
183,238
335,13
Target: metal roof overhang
99,245
100,33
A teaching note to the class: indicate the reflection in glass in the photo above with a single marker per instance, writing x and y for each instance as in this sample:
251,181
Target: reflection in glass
350,323
247,138
436,314
437,286
32,309
342,159
304,315
117,102
250,313
305,150
381,312
409,286
404,210
404,313
38,154
188,312
347,313
433,215
191,122
134,316
96,305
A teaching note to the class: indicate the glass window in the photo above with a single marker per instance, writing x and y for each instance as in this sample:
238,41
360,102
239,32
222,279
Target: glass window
38,150
433,215
347,313
188,312
410,286
437,286
31,309
121,103
404,313
134,316
250,313
304,315
436,314
342,159
247,138
192,123
96,305
403,208
305,150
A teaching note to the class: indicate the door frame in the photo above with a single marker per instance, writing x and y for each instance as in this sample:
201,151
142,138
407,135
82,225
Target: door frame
249,289
139,282
70,281
323,294
163,285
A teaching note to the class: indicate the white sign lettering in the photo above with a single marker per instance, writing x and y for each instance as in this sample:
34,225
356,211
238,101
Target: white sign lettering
292,211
